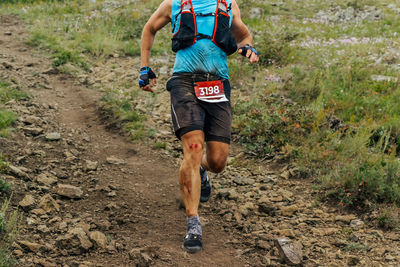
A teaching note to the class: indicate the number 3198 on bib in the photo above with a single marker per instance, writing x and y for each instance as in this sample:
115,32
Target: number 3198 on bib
210,91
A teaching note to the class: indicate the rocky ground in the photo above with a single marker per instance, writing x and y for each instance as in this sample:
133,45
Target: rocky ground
89,197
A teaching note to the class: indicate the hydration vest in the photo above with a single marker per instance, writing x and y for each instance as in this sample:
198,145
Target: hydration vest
190,31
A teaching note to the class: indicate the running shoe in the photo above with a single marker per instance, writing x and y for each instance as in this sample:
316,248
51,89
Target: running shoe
192,243
205,186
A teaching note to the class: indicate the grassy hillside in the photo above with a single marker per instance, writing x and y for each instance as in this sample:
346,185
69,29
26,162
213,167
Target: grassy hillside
324,98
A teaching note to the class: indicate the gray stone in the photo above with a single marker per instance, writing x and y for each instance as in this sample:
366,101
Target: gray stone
356,223
115,161
46,179
112,194
75,241
27,203
43,228
98,238
33,130
30,246
232,194
48,204
345,218
38,212
243,181
290,251
53,136
17,171
30,119
381,78
289,210
68,191
91,165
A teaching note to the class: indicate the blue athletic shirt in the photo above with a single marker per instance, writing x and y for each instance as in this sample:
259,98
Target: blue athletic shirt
203,56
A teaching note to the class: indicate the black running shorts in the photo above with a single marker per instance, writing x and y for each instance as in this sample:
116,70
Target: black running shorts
190,114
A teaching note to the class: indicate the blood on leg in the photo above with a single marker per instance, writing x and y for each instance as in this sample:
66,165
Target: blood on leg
193,146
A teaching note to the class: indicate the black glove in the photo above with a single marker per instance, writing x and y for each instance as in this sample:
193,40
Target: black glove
145,74
246,48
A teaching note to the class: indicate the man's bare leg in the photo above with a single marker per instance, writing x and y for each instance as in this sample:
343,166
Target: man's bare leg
189,175
190,186
216,156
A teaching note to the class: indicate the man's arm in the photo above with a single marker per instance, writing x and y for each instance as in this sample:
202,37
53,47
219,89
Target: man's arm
242,33
158,20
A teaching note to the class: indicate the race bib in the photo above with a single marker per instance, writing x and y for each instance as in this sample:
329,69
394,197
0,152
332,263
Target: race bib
210,91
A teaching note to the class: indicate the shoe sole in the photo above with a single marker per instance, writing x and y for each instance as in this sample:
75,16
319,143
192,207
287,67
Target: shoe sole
192,250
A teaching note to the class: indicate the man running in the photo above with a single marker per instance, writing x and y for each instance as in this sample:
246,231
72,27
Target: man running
205,32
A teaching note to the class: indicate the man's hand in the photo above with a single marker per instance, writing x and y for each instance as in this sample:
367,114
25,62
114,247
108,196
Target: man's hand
146,74
249,52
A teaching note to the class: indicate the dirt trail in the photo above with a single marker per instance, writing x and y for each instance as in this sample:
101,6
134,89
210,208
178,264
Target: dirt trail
122,210
133,203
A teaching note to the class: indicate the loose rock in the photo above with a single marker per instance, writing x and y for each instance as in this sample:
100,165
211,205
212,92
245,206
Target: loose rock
30,246
75,241
27,203
32,130
289,210
53,136
290,252
46,179
91,165
68,191
115,161
98,238
356,223
17,171
143,257
345,218
48,204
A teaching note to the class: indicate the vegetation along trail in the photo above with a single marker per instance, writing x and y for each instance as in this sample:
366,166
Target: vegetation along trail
91,163
120,190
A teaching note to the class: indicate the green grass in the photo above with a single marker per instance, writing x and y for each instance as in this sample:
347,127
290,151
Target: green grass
9,225
121,111
9,92
4,187
388,218
160,145
60,55
7,117
3,164
75,31
343,128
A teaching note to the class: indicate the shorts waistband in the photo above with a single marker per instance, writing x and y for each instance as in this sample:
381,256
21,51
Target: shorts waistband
201,76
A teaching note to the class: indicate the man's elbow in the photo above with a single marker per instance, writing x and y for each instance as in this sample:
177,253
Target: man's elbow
149,29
